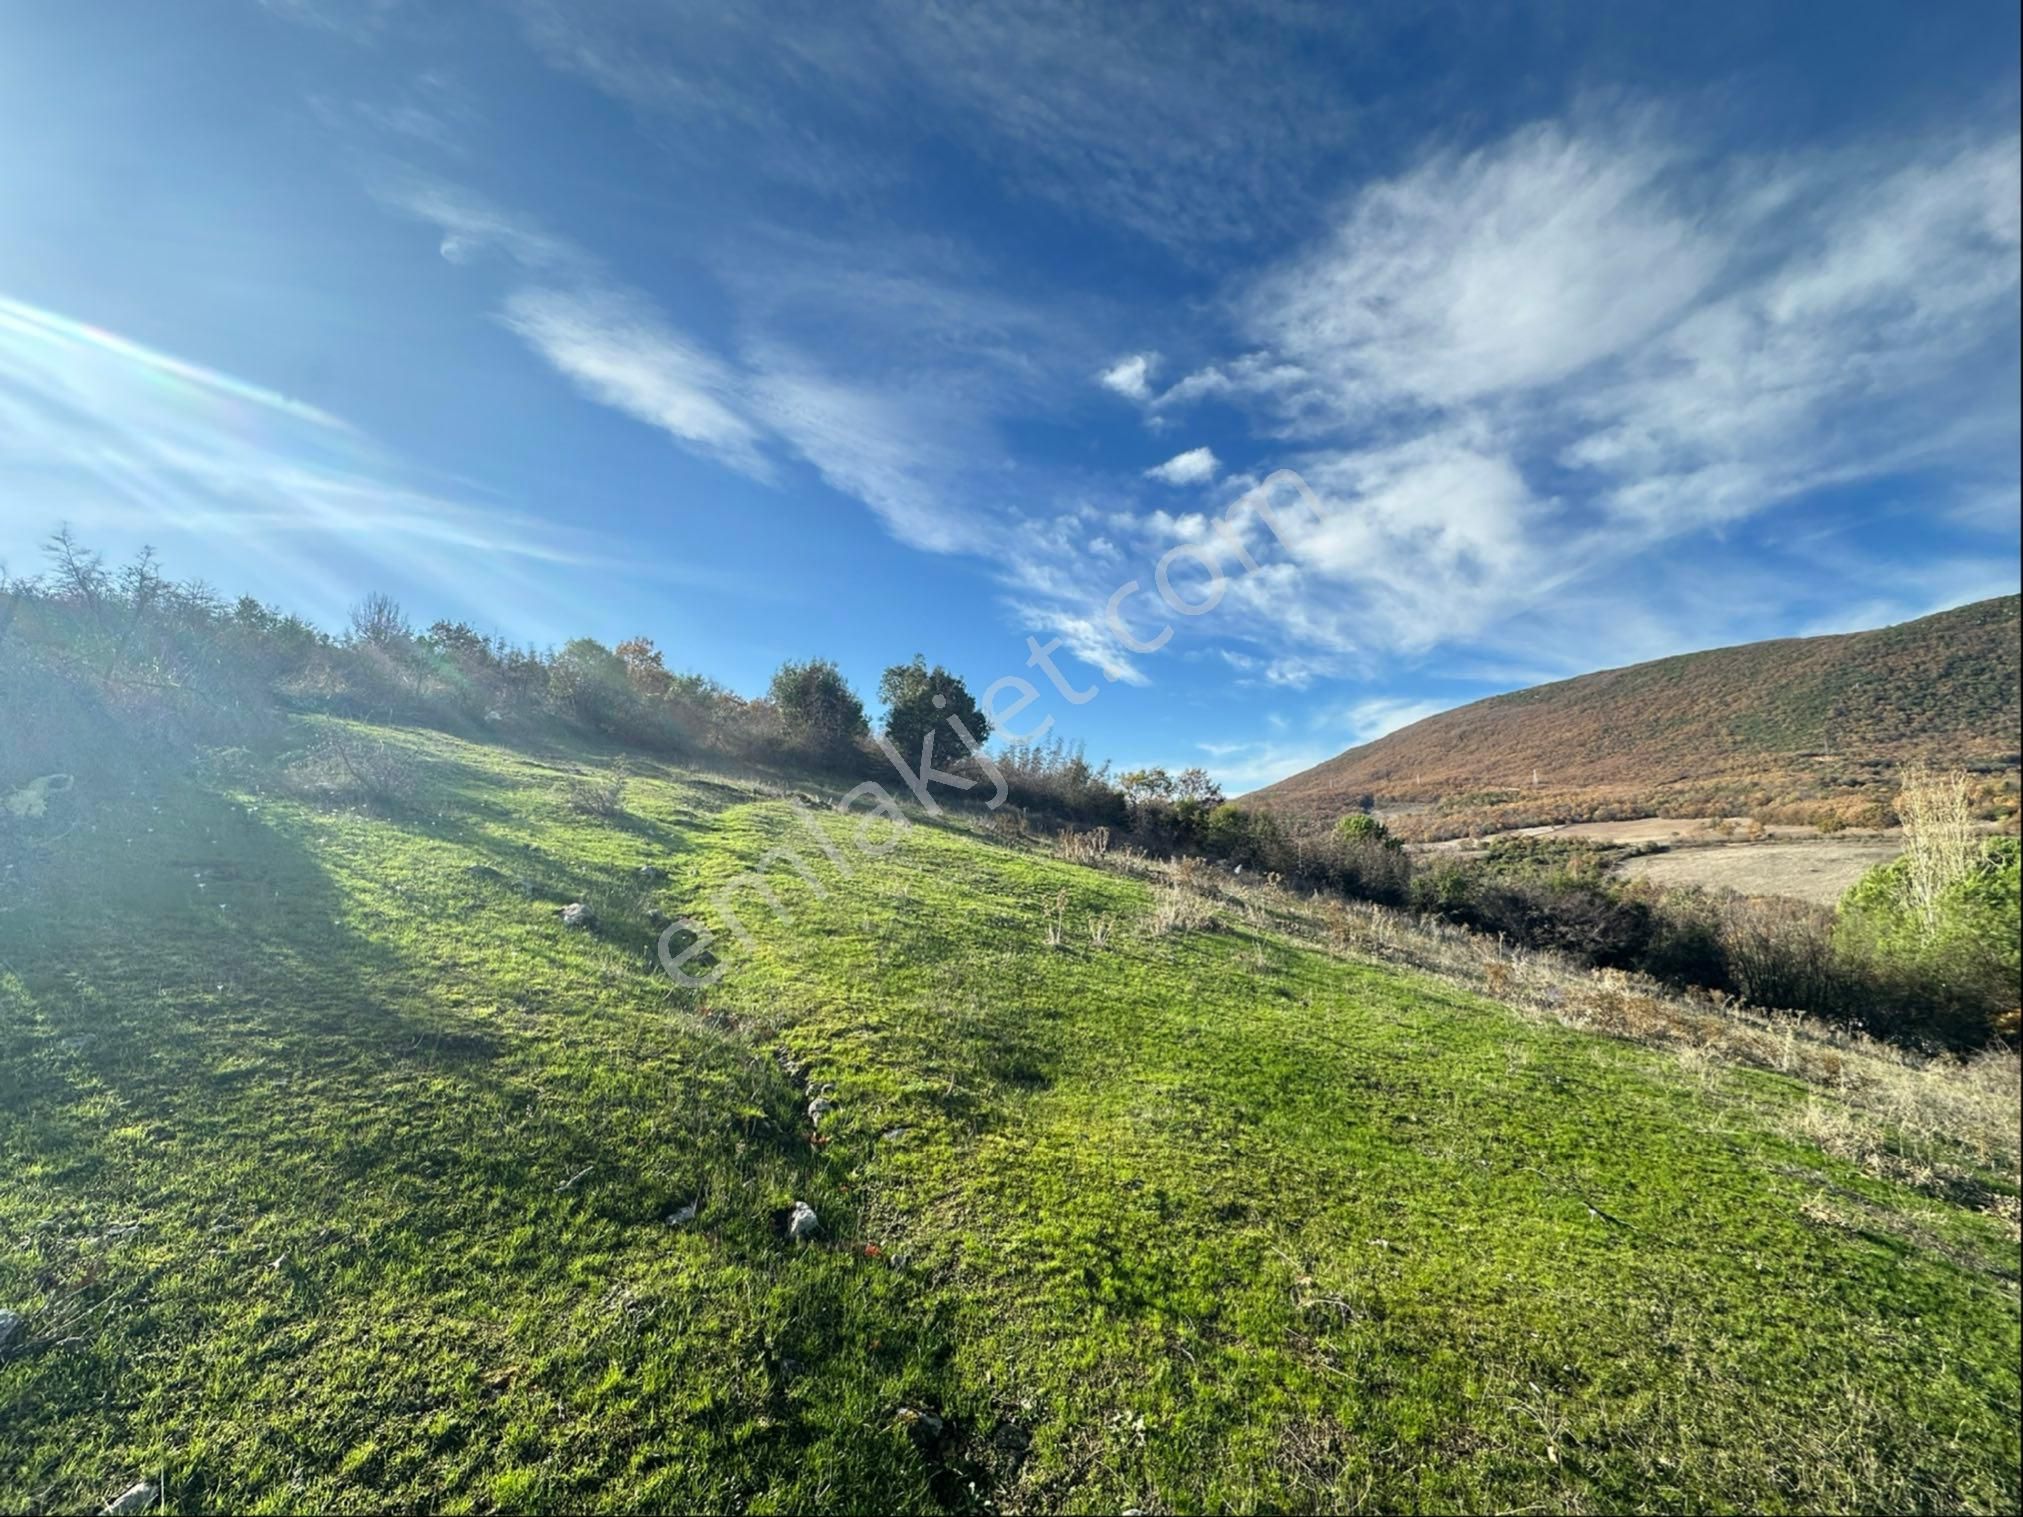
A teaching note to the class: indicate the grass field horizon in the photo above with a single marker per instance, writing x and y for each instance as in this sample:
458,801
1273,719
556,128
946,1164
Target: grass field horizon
341,1174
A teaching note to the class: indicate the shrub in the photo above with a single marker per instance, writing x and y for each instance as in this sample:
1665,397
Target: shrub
1584,919
1057,780
589,683
819,713
1360,827
1957,950
1780,953
1241,836
1374,870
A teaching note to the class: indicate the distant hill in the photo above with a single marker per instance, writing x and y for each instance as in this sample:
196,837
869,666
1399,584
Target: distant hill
1787,719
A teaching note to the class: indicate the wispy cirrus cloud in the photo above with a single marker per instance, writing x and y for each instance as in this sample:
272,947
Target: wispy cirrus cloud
1121,117
900,430
1367,720
619,352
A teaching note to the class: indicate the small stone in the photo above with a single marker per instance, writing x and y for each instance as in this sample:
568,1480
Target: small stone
575,914
12,1325
819,1108
925,1423
681,1215
802,1223
135,1498
892,1135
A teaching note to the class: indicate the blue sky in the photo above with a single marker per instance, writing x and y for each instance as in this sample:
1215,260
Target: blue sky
1597,332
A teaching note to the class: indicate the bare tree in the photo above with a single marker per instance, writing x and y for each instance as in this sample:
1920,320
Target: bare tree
379,620
80,573
1938,823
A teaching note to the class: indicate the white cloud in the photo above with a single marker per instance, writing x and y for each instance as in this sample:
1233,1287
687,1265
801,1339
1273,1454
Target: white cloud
1511,373
1131,377
1367,720
1197,466
1509,268
470,226
881,447
620,352
1512,377
904,439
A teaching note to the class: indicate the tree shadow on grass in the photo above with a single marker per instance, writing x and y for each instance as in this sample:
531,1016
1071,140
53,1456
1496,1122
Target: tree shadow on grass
231,1105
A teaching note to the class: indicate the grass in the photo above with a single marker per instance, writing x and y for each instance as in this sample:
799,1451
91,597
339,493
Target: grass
336,1174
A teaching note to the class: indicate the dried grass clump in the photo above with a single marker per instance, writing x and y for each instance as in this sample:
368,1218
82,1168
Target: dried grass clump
1083,847
1179,909
601,794
348,769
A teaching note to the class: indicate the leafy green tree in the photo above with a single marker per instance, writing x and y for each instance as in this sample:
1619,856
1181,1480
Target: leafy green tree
644,666
1142,785
819,712
919,699
587,680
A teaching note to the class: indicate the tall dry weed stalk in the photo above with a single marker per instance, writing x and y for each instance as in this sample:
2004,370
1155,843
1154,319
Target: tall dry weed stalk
1938,823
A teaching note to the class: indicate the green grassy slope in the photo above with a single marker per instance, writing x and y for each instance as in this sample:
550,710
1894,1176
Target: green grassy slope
1943,687
335,1173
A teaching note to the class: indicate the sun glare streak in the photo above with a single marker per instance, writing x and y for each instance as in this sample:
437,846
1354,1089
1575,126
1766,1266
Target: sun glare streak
178,376
233,478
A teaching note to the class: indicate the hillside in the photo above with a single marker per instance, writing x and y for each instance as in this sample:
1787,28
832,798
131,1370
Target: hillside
1763,722
337,1173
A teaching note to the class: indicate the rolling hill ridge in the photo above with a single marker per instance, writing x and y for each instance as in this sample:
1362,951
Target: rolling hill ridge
1761,721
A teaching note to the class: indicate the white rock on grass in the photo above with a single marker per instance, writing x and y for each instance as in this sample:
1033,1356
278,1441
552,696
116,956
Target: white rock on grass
575,914
802,1223
681,1216
135,1498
